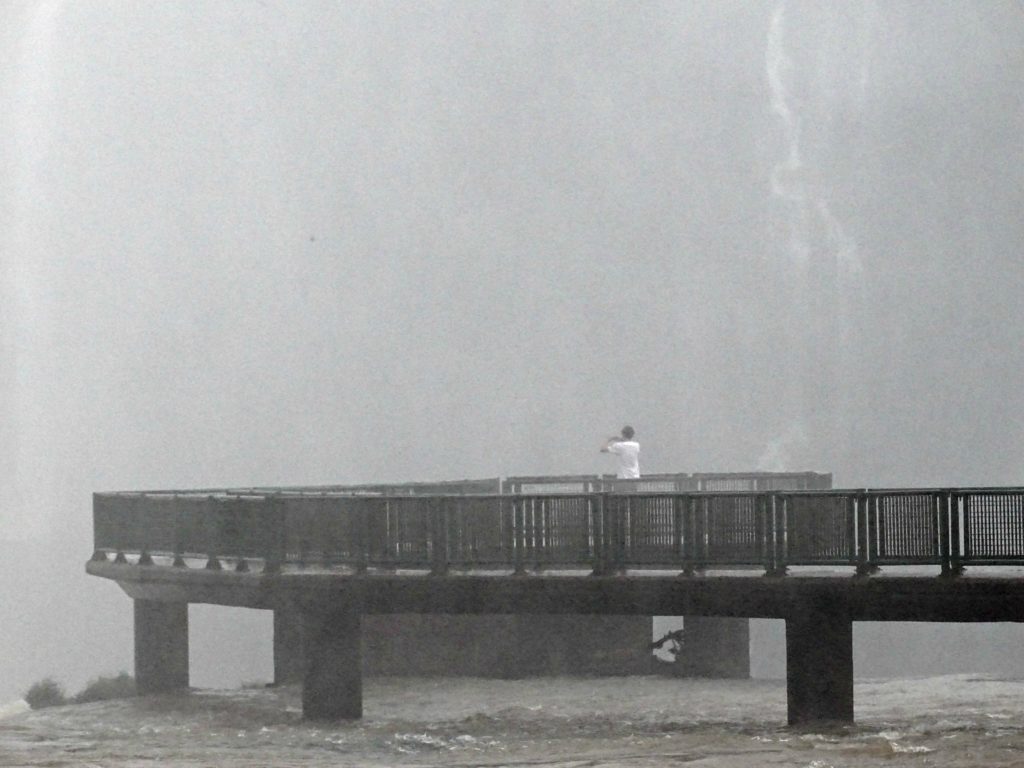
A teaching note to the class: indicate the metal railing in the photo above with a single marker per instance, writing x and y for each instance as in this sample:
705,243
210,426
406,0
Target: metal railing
679,482
602,531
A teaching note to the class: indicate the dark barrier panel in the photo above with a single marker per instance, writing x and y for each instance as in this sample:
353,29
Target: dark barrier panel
115,529
480,531
411,530
993,526
733,529
605,532
533,485
308,522
651,484
904,526
196,534
652,529
487,485
556,530
762,481
820,528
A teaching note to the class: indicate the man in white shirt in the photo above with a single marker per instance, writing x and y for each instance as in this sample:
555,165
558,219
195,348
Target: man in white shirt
628,451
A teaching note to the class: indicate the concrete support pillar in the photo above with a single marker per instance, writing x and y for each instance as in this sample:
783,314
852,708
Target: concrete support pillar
523,646
716,647
506,645
332,686
819,665
161,646
289,645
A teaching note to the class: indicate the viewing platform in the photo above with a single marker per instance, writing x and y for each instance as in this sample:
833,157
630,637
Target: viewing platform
746,546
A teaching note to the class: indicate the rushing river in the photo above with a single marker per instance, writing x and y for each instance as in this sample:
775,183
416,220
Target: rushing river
957,720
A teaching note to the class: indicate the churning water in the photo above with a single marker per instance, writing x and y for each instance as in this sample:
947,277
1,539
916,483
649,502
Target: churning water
957,720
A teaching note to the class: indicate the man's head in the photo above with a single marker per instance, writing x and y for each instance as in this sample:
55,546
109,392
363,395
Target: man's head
627,433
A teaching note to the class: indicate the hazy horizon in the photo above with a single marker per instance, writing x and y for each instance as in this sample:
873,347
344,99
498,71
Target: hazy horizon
279,243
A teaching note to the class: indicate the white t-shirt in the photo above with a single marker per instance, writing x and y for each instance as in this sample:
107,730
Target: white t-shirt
628,452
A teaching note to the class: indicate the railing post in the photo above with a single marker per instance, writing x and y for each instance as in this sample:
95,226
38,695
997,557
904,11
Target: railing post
236,522
862,516
949,533
602,545
942,531
681,530
879,536
213,535
361,509
98,555
766,518
957,500
780,516
140,534
519,534
439,536
540,530
698,532
274,543
617,563
323,530
508,534
121,537
179,533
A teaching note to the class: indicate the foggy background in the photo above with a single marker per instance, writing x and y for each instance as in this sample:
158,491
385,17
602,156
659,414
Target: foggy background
278,243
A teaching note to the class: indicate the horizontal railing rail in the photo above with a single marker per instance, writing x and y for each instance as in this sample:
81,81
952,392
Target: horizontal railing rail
603,531
705,481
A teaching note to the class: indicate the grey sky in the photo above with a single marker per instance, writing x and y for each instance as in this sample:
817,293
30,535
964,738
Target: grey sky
296,243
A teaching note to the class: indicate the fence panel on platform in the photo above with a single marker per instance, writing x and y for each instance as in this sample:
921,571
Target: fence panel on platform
651,526
242,528
547,485
556,530
185,525
793,481
904,527
320,529
662,483
410,531
344,531
479,531
194,531
443,488
116,527
732,529
155,525
820,529
725,482
637,524
993,526
305,519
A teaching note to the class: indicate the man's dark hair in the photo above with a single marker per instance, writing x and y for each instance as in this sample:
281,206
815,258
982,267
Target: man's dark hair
627,432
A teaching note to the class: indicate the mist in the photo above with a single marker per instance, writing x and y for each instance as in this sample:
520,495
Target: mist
277,243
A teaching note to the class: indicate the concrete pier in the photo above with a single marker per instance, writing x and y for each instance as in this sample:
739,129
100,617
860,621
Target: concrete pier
716,647
819,612
161,646
505,645
332,686
819,664
289,645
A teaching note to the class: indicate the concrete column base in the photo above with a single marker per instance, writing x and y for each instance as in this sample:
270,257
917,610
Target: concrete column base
819,666
161,646
506,645
332,685
289,646
716,647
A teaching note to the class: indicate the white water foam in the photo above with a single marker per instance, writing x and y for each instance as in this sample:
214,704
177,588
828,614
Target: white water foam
13,708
